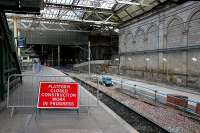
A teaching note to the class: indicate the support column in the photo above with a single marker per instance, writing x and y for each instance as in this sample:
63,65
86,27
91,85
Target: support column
42,50
119,60
18,49
16,34
58,55
42,59
2,87
89,58
52,56
15,30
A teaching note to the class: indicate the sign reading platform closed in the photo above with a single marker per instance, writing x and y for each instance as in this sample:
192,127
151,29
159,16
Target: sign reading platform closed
55,95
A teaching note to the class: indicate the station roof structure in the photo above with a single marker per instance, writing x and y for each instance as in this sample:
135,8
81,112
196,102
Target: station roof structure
81,13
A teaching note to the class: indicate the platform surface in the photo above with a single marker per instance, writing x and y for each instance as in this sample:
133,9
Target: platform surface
99,119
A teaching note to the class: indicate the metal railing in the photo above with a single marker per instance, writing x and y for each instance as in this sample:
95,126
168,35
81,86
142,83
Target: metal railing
185,104
25,93
26,66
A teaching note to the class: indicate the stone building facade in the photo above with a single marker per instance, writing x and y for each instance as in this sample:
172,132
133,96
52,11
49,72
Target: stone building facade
163,46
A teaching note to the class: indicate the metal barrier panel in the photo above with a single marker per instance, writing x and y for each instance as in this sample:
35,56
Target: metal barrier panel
25,93
157,96
92,92
26,66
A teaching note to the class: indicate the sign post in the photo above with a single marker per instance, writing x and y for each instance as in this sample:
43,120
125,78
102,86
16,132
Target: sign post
21,42
56,95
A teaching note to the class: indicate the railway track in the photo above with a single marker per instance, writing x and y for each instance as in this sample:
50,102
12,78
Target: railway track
136,120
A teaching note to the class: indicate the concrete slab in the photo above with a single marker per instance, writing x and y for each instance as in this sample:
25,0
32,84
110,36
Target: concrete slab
100,119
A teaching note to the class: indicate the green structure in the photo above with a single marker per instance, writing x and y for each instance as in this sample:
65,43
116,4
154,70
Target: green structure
9,63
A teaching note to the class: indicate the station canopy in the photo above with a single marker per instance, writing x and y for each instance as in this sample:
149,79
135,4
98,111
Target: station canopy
84,13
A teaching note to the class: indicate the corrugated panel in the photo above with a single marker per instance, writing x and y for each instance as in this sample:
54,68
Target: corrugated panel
138,12
31,3
148,1
126,18
147,8
28,6
55,37
132,8
122,14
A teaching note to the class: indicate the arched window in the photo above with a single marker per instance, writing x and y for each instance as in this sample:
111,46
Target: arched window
127,41
175,33
194,39
139,39
152,37
122,36
194,29
121,39
129,38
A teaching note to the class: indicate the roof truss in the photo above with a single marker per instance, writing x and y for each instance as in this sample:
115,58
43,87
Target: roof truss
97,12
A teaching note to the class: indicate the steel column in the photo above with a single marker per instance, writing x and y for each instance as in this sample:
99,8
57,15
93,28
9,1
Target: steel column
1,70
58,55
16,34
52,56
89,58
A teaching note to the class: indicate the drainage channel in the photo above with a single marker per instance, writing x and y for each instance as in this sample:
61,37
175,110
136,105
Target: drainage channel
137,121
